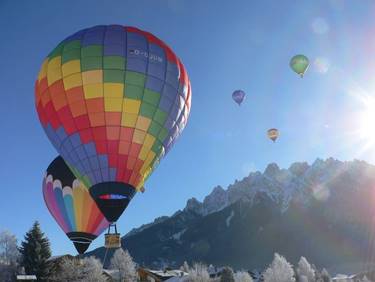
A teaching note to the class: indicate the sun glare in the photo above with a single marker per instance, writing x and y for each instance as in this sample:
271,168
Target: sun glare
366,129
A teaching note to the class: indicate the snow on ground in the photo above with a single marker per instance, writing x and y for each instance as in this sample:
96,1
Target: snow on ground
229,218
177,235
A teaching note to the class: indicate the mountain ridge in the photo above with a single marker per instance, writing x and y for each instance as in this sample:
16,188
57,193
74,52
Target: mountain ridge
271,201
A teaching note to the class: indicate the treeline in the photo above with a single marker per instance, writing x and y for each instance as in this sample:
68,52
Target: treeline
280,270
33,257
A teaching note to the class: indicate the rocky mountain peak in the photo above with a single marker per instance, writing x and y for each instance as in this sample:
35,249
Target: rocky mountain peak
299,183
299,168
193,205
271,170
215,201
330,193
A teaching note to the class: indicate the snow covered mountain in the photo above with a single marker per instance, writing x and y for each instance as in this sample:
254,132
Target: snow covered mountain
319,210
299,183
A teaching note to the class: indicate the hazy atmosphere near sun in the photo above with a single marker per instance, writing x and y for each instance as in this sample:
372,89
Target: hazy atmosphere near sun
224,46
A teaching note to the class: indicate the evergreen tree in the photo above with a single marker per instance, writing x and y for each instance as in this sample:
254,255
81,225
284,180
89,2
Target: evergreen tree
35,252
227,275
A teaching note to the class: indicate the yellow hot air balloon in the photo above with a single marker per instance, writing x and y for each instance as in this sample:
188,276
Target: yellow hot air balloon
273,134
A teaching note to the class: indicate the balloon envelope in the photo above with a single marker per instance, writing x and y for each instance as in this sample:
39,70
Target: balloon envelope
273,134
70,203
238,96
299,64
113,100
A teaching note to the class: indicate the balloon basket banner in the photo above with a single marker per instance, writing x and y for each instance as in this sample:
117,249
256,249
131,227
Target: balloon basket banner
112,241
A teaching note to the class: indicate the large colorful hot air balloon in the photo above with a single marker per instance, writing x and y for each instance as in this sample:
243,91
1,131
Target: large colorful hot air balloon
70,203
113,100
238,96
273,134
299,64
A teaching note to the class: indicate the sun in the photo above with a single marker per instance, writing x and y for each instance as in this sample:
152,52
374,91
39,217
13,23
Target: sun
366,122
360,123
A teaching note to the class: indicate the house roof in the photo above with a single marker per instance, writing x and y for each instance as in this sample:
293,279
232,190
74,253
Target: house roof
53,258
165,274
26,277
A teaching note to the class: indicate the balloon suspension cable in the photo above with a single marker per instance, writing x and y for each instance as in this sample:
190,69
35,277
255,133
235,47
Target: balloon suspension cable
114,226
105,256
108,232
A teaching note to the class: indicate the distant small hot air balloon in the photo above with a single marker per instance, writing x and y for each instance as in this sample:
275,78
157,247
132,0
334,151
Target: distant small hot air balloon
238,96
70,203
299,64
273,134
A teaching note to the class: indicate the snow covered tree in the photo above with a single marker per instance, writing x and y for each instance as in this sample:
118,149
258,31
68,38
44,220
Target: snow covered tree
198,273
227,275
185,267
92,270
365,279
242,276
75,270
123,262
302,278
8,256
8,248
325,276
304,269
35,252
68,270
280,270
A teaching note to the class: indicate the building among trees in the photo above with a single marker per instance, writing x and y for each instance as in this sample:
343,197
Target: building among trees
169,275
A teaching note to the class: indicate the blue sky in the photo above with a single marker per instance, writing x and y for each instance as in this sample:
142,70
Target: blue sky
225,45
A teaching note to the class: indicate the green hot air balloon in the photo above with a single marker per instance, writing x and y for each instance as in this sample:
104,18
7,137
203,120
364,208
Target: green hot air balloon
299,64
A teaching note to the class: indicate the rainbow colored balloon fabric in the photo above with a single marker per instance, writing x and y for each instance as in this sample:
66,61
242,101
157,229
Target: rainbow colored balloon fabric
113,100
70,203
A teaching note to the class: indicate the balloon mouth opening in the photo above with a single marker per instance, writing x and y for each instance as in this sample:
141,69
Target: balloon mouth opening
112,198
81,247
81,240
